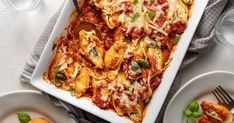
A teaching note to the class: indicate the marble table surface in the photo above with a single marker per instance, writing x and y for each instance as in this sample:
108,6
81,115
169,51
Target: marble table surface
19,32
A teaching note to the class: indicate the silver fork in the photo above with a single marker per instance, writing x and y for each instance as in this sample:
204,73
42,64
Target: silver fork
224,98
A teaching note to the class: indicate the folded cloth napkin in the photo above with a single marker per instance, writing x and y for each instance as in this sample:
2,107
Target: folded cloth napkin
203,39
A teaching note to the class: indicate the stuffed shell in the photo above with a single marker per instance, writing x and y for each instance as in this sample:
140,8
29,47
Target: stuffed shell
215,113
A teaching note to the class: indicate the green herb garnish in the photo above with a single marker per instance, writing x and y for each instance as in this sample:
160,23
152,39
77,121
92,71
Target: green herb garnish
135,17
138,71
192,112
136,67
193,106
57,67
151,14
135,1
23,117
153,45
197,114
131,86
143,63
94,51
61,75
177,38
188,113
56,82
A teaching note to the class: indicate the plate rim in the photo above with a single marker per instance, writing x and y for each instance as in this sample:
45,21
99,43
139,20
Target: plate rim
34,93
190,82
20,91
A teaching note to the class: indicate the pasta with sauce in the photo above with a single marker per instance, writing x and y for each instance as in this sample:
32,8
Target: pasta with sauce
121,70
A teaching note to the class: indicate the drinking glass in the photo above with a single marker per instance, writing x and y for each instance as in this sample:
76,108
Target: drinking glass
224,29
22,5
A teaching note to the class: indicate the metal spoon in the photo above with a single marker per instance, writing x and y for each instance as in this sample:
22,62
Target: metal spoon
84,25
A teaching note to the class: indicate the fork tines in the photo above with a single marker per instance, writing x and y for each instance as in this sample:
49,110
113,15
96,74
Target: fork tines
223,97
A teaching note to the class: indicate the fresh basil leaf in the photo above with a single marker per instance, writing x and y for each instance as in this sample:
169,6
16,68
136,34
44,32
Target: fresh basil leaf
138,71
135,1
188,113
135,17
177,38
135,65
151,14
23,117
143,63
194,106
197,114
153,45
61,75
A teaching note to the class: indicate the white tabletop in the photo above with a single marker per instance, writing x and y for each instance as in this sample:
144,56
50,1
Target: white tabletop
20,31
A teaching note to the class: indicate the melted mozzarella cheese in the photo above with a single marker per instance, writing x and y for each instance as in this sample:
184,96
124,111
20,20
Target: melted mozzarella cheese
104,98
177,11
74,74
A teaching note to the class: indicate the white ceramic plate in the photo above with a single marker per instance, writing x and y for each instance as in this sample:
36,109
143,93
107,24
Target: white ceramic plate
198,88
158,96
33,103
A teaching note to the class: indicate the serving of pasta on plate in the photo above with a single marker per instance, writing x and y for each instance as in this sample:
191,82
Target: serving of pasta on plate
120,69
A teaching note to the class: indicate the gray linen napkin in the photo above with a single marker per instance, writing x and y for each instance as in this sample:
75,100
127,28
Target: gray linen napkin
202,40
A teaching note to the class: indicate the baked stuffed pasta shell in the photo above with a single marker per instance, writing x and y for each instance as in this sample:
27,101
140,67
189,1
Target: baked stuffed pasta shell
215,113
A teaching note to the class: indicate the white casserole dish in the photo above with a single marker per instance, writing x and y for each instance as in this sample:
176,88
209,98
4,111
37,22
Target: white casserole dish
158,96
